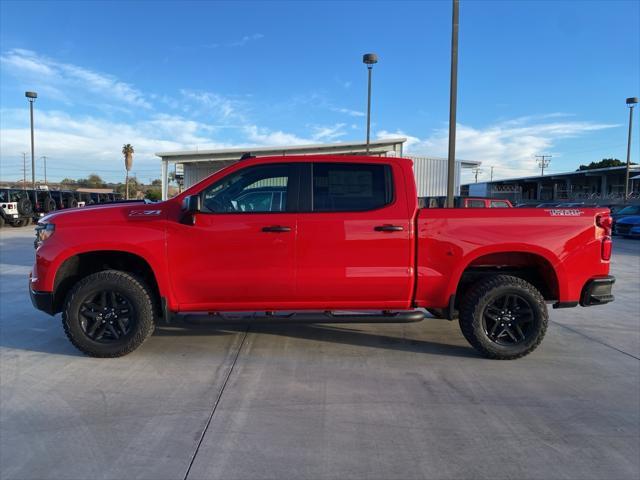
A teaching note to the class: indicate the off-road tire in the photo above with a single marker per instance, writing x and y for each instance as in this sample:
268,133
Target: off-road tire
25,207
49,205
480,295
125,284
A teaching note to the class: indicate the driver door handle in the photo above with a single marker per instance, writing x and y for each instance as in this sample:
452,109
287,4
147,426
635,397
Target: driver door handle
276,229
389,228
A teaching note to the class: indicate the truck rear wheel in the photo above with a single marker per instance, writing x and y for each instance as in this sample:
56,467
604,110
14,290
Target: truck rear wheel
108,314
503,317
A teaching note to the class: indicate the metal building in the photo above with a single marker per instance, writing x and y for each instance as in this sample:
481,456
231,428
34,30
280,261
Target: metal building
431,173
594,185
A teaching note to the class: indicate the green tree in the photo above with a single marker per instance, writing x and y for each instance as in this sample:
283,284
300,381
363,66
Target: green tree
604,163
92,181
153,194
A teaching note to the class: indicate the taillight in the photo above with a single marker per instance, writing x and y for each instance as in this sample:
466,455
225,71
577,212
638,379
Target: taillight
606,222
606,248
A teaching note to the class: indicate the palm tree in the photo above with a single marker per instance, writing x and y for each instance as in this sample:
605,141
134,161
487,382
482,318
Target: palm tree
127,151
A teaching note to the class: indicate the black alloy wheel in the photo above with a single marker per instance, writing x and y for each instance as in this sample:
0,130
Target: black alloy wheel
507,319
107,316
109,313
504,317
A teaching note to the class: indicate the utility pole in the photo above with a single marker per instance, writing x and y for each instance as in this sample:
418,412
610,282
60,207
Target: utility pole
44,157
543,162
477,171
453,99
491,174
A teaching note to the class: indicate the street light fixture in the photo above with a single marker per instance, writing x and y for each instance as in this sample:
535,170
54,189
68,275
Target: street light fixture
31,96
631,102
369,59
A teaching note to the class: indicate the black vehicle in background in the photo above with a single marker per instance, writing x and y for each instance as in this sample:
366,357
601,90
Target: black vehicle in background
20,207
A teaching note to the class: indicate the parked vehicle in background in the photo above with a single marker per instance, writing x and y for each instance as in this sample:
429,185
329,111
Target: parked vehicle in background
571,205
464,202
628,226
486,203
547,205
16,207
349,236
627,211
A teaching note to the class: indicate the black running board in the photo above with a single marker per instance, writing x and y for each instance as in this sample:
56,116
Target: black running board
325,317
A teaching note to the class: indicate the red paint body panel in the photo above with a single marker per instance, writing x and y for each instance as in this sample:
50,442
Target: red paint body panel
328,260
449,240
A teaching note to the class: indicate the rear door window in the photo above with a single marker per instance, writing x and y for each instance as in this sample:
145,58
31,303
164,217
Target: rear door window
351,187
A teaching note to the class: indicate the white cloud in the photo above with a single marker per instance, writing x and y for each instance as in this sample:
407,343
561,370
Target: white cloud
328,133
222,107
57,77
264,136
347,111
510,147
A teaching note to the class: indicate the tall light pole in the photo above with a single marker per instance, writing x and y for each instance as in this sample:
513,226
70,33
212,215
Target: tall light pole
453,100
369,59
44,157
31,96
631,102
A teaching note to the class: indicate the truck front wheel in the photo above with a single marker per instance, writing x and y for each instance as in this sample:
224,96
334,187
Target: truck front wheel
108,314
503,317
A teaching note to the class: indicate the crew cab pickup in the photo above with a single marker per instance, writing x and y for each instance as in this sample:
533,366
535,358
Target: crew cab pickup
343,241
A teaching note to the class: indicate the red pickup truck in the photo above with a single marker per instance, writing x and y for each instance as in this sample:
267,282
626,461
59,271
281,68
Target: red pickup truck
322,234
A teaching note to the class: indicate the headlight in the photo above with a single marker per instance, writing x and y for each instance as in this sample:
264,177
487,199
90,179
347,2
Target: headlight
43,231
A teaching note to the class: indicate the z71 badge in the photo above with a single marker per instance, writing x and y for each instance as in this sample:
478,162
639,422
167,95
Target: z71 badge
145,213
565,212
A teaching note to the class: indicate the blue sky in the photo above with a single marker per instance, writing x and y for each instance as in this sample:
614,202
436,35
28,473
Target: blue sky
535,77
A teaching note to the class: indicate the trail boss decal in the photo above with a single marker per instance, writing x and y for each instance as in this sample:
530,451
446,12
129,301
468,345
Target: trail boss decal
565,212
144,213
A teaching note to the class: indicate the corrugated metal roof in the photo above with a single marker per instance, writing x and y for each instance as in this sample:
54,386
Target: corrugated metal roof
376,146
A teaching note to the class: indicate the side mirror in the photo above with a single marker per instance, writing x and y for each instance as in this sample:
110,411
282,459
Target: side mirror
190,206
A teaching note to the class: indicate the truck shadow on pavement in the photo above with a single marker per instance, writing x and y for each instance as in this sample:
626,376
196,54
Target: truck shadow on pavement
200,326
51,340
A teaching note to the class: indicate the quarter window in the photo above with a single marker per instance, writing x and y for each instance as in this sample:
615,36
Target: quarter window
340,187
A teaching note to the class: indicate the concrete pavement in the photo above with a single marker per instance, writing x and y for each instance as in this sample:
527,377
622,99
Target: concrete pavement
303,401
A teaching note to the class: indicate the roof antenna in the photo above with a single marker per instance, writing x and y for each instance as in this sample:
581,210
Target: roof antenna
247,155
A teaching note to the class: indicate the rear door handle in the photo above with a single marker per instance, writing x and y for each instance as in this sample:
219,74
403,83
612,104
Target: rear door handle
389,228
276,229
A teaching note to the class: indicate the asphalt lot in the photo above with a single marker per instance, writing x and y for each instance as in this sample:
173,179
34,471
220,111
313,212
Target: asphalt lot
320,402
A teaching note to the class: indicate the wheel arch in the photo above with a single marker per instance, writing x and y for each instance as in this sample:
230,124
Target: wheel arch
79,265
536,266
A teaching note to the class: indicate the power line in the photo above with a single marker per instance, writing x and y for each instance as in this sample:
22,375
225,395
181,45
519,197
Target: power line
477,171
543,162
